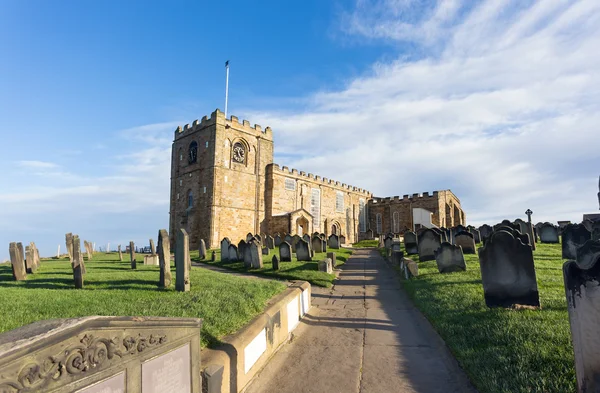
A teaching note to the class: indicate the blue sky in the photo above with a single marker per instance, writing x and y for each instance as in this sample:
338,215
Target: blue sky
496,100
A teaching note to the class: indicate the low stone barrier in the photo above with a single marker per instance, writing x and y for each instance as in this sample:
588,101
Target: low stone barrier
230,367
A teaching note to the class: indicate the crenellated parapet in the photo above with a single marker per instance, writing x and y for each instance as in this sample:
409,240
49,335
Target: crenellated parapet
218,117
284,170
425,196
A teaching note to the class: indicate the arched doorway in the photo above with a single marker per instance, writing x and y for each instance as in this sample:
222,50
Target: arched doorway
302,226
336,228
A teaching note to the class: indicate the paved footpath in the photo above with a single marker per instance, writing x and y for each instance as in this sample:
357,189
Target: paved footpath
363,335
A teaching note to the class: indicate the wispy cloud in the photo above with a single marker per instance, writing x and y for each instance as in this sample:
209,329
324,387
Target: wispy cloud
37,164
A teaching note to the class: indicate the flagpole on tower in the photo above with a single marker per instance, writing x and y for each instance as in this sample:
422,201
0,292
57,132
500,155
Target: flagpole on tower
226,85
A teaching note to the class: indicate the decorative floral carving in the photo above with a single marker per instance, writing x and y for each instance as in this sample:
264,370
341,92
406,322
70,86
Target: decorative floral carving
91,354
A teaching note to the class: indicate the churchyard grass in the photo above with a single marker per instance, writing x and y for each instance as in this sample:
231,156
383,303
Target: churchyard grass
226,303
305,271
366,243
501,350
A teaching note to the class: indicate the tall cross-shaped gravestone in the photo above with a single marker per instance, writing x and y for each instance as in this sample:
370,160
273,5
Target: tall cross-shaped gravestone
532,238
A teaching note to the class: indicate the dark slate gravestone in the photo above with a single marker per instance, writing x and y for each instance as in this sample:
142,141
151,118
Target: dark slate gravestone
102,355
77,263
18,266
387,242
522,225
213,256
588,224
524,237
369,234
596,230
225,243
508,272
397,257
202,249
241,249
323,245
333,242
270,242
295,240
396,245
285,252
583,300
182,257
573,237
275,262
164,259
466,241
441,233
277,240
288,238
253,250
410,242
303,251
259,238
249,237
306,237
317,244
232,253
548,233
428,242
342,240
476,235
588,253
265,250
450,258
485,230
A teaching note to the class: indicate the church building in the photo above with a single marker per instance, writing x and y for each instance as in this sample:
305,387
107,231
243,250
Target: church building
224,184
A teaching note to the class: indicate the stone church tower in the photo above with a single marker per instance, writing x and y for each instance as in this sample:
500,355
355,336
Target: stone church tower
218,179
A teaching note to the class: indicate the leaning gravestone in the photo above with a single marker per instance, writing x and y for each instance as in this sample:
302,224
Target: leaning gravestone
573,237
548,233
225,243
508,272
285,252
450,258
29,260
77,263
466,241
429,242
152,247
270,242
164,259
69,244
18,267
275,262
182,255
410,243
202,249
325,266
254,254
120,254
583,300
303,251
132,255
317,244
333,242
103,355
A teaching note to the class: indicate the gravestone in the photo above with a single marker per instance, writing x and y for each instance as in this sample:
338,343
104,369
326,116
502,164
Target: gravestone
397,257
69,244
441,233
410,242
120,253
466,241
522,225
303,251
132,255
588,253
29,260
410,267
396,245
259,238
295,240
325,266
573,237
306,237
508,272
77,263
342,240
548,233
596,230
241,249
485,231
387,242
253,255
331,255
152,247
265,251
249,237
277,240
428,242
232,253
333,242
21,254
275,262
100,354
182,256
317,244
270,242
213,256
18,267
476,235
164,259
288,239
312,253
323,245
450,258
588,224
285,252
225,243
151,260
202,249
583,300
369,234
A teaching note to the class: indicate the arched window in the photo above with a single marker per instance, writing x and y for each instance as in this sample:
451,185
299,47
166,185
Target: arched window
193,153
396,218
190,200
379,224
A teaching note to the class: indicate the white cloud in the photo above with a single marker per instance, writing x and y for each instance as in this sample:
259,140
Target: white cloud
37,164
503,108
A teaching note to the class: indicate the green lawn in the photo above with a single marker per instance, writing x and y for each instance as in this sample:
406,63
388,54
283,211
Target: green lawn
226,303
501,350
306,271
366,243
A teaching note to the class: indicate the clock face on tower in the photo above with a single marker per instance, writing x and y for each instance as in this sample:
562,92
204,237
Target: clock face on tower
193,153
239,153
